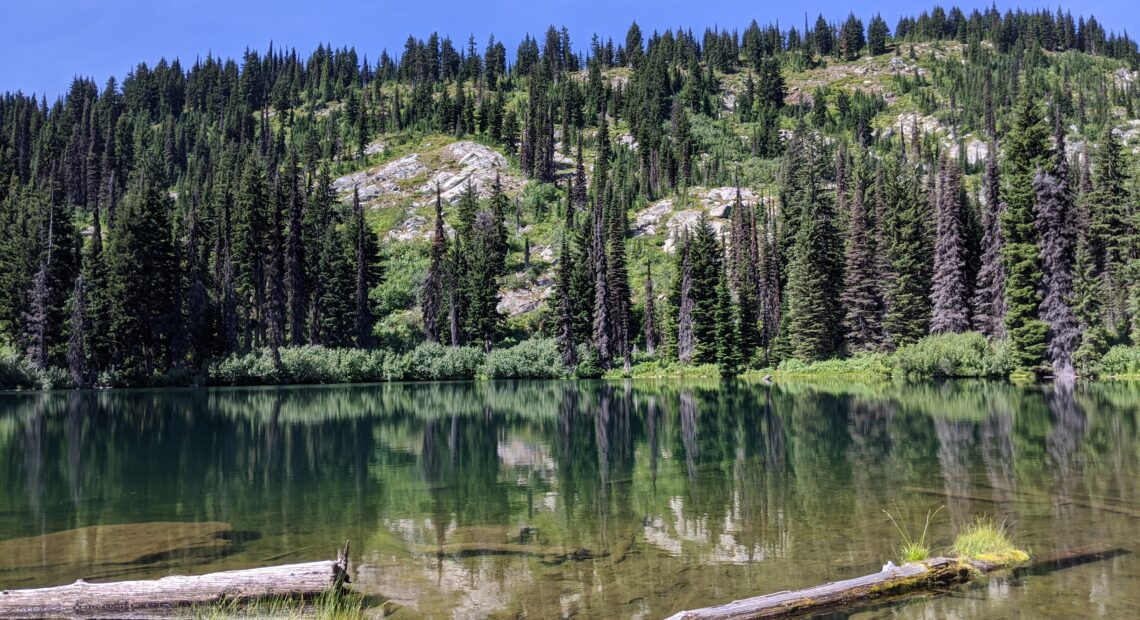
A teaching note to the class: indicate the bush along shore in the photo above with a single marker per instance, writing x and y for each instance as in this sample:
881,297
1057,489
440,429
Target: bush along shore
947,356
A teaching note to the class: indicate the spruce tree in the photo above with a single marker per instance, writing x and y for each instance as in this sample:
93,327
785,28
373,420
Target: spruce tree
567,347
686,340
989,294
650,312
1025,152
366,258
78,359
815,275
949,294
432,300
728,354
275,279
296,257
1056,225
861,300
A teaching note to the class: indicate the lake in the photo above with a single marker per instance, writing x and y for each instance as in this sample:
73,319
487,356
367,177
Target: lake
585,499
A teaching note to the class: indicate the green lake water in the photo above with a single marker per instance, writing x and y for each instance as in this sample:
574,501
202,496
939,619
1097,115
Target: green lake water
588,499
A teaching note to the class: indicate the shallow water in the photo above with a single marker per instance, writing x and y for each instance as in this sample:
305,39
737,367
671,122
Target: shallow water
600,500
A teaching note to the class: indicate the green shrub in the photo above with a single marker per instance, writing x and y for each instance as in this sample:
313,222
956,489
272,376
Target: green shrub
432,361
589,364
862,364
1119,361
536,358
15,373
953,355
299,365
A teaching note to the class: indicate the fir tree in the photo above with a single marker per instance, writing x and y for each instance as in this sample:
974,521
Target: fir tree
686,341
432,300
275,280
728,354
650,312
989,294
1056,225
565,330
78,360
815,275
861,299
367,268
1025,153
296,276
949,296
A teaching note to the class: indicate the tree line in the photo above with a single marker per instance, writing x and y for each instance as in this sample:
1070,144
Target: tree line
186,214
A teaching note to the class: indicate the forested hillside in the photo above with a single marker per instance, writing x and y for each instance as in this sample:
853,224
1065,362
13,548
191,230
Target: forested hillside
745,198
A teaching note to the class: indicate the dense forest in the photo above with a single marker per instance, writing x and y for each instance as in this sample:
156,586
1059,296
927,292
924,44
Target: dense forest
163,227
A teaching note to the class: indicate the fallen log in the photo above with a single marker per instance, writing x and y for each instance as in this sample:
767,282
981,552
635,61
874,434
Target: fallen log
124,598
892,583
473,549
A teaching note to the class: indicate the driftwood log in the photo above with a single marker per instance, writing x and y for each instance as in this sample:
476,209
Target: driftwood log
893,582
131,598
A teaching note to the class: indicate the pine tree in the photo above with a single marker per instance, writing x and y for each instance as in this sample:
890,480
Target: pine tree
143,311
275,279
1108,221
861,298
296,275
686,340
877,33
567,347
367,267
603,326
37,320
78,360
432,301
949,296
1056,225
815,275
650,312
1025,153
909,251
728,354
989,294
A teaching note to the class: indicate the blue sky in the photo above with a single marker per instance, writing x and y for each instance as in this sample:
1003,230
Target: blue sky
43,43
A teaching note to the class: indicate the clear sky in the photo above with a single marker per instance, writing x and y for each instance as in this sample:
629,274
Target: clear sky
44,43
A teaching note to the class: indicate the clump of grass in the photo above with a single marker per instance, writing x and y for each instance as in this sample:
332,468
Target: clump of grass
327,606
986,540
913,549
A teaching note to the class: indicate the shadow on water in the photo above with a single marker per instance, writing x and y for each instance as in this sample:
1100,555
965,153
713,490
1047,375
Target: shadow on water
547,498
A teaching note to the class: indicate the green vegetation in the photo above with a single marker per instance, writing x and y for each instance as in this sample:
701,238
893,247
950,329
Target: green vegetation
205,223
913,549
986,540
953,355
328,606
1120,362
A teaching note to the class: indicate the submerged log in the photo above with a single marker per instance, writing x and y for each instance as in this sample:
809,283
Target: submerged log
893,582
124,598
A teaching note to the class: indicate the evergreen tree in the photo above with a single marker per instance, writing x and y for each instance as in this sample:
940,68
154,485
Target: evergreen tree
728,354
275,279
949,295
1056,225
877,33
78,360
1025,153
142,314
567,346
861,299
686,340
650,313
432,300
296,276
366,257
989,294
815,275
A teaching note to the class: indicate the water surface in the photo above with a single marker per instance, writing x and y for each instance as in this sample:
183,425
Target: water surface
600,500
